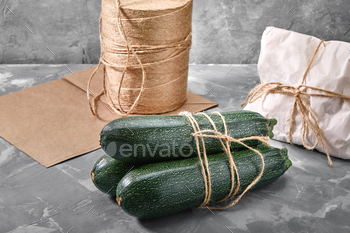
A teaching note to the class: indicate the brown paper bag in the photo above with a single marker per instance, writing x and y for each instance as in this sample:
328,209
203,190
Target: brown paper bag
52,122
284,58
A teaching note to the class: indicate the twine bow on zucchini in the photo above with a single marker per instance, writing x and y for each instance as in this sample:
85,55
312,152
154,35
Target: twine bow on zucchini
225,140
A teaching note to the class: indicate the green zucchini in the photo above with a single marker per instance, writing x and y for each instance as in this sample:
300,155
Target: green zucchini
147,139
158,189
107,172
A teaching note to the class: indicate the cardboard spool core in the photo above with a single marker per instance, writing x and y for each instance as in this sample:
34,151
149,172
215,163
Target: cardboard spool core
160,34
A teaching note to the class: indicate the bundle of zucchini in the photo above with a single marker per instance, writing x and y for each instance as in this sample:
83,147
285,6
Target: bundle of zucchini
152,166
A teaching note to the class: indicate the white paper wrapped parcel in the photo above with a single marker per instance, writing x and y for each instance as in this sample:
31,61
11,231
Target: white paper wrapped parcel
284,57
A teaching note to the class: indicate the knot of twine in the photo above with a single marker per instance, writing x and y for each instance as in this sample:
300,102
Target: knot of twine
225,140
135,50
309,120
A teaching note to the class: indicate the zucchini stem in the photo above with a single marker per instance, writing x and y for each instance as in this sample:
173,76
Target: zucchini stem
119,200
93,175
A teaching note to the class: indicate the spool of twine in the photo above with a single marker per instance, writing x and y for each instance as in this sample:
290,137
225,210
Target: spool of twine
145,49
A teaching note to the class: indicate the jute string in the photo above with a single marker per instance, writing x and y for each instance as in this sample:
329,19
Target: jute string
225,140
111,46
309,120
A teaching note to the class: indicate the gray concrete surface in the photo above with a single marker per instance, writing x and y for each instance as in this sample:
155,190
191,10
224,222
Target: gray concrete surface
310,197
224,32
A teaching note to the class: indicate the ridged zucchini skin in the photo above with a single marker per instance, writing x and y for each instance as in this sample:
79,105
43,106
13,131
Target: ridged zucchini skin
107,172
159,189
147,139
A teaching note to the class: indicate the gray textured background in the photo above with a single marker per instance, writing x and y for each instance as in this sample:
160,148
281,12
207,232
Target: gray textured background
225,31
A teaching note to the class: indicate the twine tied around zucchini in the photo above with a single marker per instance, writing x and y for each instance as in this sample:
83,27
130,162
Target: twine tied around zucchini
309,120
109,46
225,140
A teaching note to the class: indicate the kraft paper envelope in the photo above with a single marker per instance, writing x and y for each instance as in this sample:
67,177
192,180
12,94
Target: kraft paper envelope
52,122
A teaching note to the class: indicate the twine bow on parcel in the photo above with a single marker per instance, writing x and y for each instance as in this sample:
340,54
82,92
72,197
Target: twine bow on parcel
225,140
309,120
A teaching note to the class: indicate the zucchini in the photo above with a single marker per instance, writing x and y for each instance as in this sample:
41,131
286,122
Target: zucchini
147,139
107,172
158,189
